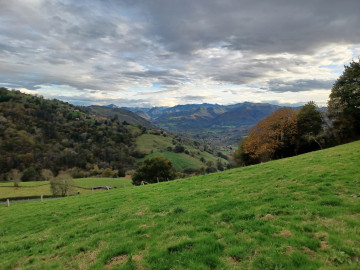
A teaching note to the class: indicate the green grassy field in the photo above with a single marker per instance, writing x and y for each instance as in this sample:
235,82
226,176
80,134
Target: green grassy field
38,188
151,142
155,145
296,213
180,161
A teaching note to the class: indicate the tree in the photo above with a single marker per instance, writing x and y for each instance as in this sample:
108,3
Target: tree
46,174
30,174
273,137
310,127
240,157
344,103
63,185
14,175
157,169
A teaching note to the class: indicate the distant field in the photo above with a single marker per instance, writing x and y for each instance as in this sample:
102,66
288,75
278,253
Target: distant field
151,142
157,145
179,161
296,213
38,188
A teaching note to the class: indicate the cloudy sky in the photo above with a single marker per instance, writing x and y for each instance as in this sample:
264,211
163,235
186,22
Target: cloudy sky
163,53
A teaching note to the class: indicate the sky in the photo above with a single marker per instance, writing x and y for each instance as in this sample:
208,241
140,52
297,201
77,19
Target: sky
164,53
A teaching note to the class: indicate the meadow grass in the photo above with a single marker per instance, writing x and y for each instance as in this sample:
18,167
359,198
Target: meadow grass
38,188
295,213
180,161
153,143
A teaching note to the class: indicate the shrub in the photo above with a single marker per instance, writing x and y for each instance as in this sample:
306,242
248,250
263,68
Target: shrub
110,173
154,170
179,149
30,174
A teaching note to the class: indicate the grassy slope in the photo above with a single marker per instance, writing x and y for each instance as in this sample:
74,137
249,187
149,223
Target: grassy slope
38,188
295,213
159,144
151,142
180,161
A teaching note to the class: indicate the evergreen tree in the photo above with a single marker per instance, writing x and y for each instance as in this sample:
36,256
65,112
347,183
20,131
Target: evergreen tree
344,103
310,128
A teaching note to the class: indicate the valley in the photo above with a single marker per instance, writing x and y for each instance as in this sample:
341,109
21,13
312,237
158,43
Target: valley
212,124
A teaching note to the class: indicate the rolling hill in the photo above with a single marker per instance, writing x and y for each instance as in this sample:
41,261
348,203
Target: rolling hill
120,114
295,213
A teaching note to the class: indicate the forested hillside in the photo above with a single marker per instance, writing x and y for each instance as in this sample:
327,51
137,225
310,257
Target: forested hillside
119,114
40,137
38,134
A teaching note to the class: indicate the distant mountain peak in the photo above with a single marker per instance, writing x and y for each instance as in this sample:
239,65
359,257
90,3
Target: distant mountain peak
111,106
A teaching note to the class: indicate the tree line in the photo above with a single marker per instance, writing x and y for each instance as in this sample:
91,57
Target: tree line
288,132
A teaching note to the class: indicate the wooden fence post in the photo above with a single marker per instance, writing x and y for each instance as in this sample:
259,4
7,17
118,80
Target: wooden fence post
41,197
8,202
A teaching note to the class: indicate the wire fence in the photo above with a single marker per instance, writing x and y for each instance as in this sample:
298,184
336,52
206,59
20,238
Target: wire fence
43,197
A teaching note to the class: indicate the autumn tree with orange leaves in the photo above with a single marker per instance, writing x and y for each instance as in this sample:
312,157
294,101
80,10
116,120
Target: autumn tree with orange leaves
273,137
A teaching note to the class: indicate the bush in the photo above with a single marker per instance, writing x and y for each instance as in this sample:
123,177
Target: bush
190,171
179,149
154,170
30,174
110,173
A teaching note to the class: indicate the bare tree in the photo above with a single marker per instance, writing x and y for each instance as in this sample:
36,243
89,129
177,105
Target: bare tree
15,175
63,185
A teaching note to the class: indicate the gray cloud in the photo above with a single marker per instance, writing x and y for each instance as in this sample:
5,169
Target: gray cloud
118,45
192,98
262,26
299,85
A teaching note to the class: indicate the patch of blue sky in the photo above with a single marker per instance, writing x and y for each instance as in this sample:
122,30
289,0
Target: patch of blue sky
128,55
255,85
338,69
151,68
56,89
143,89
31,30
32,76
356,51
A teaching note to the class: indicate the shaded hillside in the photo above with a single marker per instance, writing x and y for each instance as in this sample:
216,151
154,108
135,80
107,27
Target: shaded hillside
119,114
245,114
295,213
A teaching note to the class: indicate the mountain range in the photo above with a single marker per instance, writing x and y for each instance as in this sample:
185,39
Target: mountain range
213,123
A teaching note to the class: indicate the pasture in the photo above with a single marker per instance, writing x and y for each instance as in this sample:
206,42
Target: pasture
296,213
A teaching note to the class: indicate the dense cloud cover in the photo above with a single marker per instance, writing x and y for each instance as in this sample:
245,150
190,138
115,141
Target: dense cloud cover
160,52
